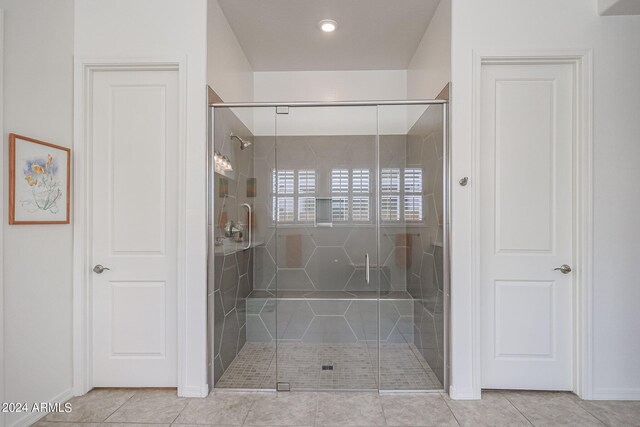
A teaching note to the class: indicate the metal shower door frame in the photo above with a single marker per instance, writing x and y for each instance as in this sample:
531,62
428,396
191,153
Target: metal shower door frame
446,171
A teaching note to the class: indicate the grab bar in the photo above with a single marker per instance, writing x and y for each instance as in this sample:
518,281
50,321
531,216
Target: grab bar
248,206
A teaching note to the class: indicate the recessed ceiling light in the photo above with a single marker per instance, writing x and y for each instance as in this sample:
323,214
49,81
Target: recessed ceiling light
328,25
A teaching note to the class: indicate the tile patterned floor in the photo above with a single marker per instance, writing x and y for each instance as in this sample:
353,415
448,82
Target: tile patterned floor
354,367
161,407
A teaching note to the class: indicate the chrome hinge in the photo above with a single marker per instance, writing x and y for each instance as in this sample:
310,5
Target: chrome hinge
283,387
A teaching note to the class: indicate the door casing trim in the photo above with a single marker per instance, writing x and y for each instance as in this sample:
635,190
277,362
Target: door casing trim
581,61
2,356
84,69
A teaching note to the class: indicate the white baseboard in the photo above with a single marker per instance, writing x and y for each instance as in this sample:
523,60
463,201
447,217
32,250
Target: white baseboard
32,417
615,394
194,391
463,393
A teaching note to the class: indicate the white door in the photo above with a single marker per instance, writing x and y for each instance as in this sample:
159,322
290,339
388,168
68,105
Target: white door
134,196
526,226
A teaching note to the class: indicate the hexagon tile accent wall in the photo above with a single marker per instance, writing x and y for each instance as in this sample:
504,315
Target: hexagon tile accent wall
342,319
230,308
425,281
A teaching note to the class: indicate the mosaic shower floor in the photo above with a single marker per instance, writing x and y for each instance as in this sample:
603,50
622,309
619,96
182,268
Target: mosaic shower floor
353,367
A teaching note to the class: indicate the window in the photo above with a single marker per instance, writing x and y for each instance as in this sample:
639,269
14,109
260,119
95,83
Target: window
294,199
340,180
340,203
283,209
393,192
306,209
361,180
283,183
350,195
307,181
361,195
307,203
360,208
390,194
413,194
401,195
339,209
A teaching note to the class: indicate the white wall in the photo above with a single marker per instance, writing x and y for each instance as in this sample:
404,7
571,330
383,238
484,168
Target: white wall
430,68
551,25
38,82
290,86
228,70
119,29
279,86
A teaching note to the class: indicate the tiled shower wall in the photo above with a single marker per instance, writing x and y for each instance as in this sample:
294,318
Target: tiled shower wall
330,321
309,258
230,274
318,258
425,282
231,288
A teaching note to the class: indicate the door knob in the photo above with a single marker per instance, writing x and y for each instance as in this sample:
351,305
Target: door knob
564,269
99,269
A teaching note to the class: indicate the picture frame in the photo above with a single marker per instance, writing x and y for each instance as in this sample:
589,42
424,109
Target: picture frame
39,182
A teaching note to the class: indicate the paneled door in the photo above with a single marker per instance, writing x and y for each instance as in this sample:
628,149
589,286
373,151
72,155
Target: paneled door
527,133
134,172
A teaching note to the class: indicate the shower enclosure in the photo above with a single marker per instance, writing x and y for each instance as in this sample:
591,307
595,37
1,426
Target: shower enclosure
328,265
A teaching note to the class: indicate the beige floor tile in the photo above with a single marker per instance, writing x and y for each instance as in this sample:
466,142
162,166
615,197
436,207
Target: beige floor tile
64,424
427,409
133,425
551,408
150,406
614,413
195,425
94,406
349,409
217,409
492,410
190,425
278,409
160,407
355,367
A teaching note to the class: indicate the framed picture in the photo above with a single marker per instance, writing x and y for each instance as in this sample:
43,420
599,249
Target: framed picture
39,179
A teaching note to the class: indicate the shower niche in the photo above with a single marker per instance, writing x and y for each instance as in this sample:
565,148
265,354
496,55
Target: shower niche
328,247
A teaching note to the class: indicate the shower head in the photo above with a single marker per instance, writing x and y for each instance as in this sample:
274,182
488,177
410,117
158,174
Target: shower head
243,143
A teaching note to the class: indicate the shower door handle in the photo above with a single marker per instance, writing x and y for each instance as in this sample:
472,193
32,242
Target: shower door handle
248,206
366,268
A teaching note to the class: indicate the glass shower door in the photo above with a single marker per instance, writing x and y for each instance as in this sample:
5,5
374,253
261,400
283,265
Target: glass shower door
335,193
325,245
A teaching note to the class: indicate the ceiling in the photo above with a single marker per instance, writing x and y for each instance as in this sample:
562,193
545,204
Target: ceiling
619,7
283,35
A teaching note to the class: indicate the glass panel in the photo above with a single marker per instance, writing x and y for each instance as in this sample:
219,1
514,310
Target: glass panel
327,315
411,202
235,273
334,184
